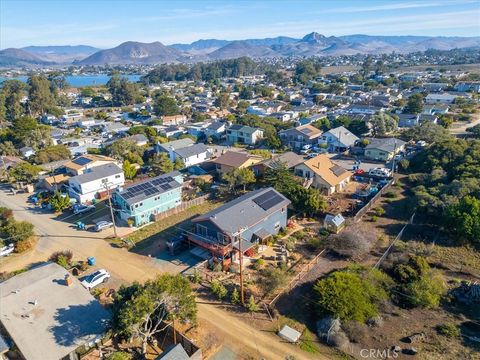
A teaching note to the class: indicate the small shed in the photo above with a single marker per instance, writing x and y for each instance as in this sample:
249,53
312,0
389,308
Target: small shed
289,334
334,223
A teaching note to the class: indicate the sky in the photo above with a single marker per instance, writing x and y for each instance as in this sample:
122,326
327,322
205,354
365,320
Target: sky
107,23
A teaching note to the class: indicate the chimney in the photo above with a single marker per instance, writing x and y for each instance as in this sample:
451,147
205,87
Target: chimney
68,280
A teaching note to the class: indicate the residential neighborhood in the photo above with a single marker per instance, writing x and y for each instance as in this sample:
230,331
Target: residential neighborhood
313,198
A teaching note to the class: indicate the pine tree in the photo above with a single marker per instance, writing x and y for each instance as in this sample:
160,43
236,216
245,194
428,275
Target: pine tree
235,297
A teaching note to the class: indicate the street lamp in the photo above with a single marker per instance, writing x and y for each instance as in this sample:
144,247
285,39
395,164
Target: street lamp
105,184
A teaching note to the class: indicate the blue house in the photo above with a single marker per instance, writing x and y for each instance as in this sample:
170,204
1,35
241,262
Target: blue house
252,217
141,202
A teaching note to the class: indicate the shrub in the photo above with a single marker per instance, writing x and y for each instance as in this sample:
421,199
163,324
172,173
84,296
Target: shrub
251,305
353,241
62,258
374,218
218,289
390,195
18,230
449,330
259,264
24,245
347,296
235,296
273,278
119,355
379,211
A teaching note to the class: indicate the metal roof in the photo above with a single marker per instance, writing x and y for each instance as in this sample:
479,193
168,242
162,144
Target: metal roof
246,210
149,188
98,172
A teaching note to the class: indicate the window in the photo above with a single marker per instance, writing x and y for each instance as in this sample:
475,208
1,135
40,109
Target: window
136,205
283,210
141,204
117,176
202,230
277,225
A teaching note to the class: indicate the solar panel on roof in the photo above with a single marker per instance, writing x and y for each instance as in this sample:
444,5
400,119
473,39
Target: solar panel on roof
151,191
264,197
81,161
271,202
337,170
165,186
157,182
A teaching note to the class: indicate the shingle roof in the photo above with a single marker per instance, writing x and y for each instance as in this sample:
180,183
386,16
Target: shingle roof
98,172
177,352
386,144
191,150
327,170
343,135
244,211
176,144
81,161
290,159
233,158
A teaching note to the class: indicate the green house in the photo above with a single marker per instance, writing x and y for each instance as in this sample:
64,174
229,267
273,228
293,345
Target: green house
141,202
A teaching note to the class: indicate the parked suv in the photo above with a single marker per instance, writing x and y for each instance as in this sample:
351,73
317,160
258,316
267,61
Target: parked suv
380,172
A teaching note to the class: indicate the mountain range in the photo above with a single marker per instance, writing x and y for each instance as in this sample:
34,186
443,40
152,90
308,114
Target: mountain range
313,44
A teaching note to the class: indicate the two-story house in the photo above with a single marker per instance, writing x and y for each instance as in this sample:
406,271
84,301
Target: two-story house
323,174
250,218
142,201
383,149
300,136
191,155
94,182
338,139
231,160
242,134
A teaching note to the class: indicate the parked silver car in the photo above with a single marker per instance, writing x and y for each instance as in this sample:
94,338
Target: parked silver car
102,225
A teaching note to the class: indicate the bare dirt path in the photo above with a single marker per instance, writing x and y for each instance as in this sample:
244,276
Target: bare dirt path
238,334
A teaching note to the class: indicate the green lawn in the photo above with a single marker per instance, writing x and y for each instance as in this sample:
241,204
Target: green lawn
169,226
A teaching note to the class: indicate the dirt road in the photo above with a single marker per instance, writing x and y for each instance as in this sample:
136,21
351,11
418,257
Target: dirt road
460,127
54,235
238,334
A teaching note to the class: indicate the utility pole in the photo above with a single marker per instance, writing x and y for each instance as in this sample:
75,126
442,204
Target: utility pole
393,161
242,297
105,183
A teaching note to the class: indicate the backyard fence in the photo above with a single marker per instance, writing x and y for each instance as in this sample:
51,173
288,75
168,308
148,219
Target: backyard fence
358,216
270,302
182,207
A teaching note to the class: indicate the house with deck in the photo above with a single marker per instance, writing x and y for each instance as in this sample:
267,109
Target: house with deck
142,201
300,136
240,224
323,174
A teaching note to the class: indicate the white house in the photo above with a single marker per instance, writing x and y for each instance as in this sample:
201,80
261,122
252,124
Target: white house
338,139
440,98
191,155
94,181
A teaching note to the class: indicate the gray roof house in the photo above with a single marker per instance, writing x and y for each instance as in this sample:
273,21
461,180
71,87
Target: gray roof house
383,149
338,139
253,217
174,145
87,186
191,155
48,319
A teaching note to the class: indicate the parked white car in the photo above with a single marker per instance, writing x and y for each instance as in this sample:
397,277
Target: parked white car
7,250
95,279
102,225
380,172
